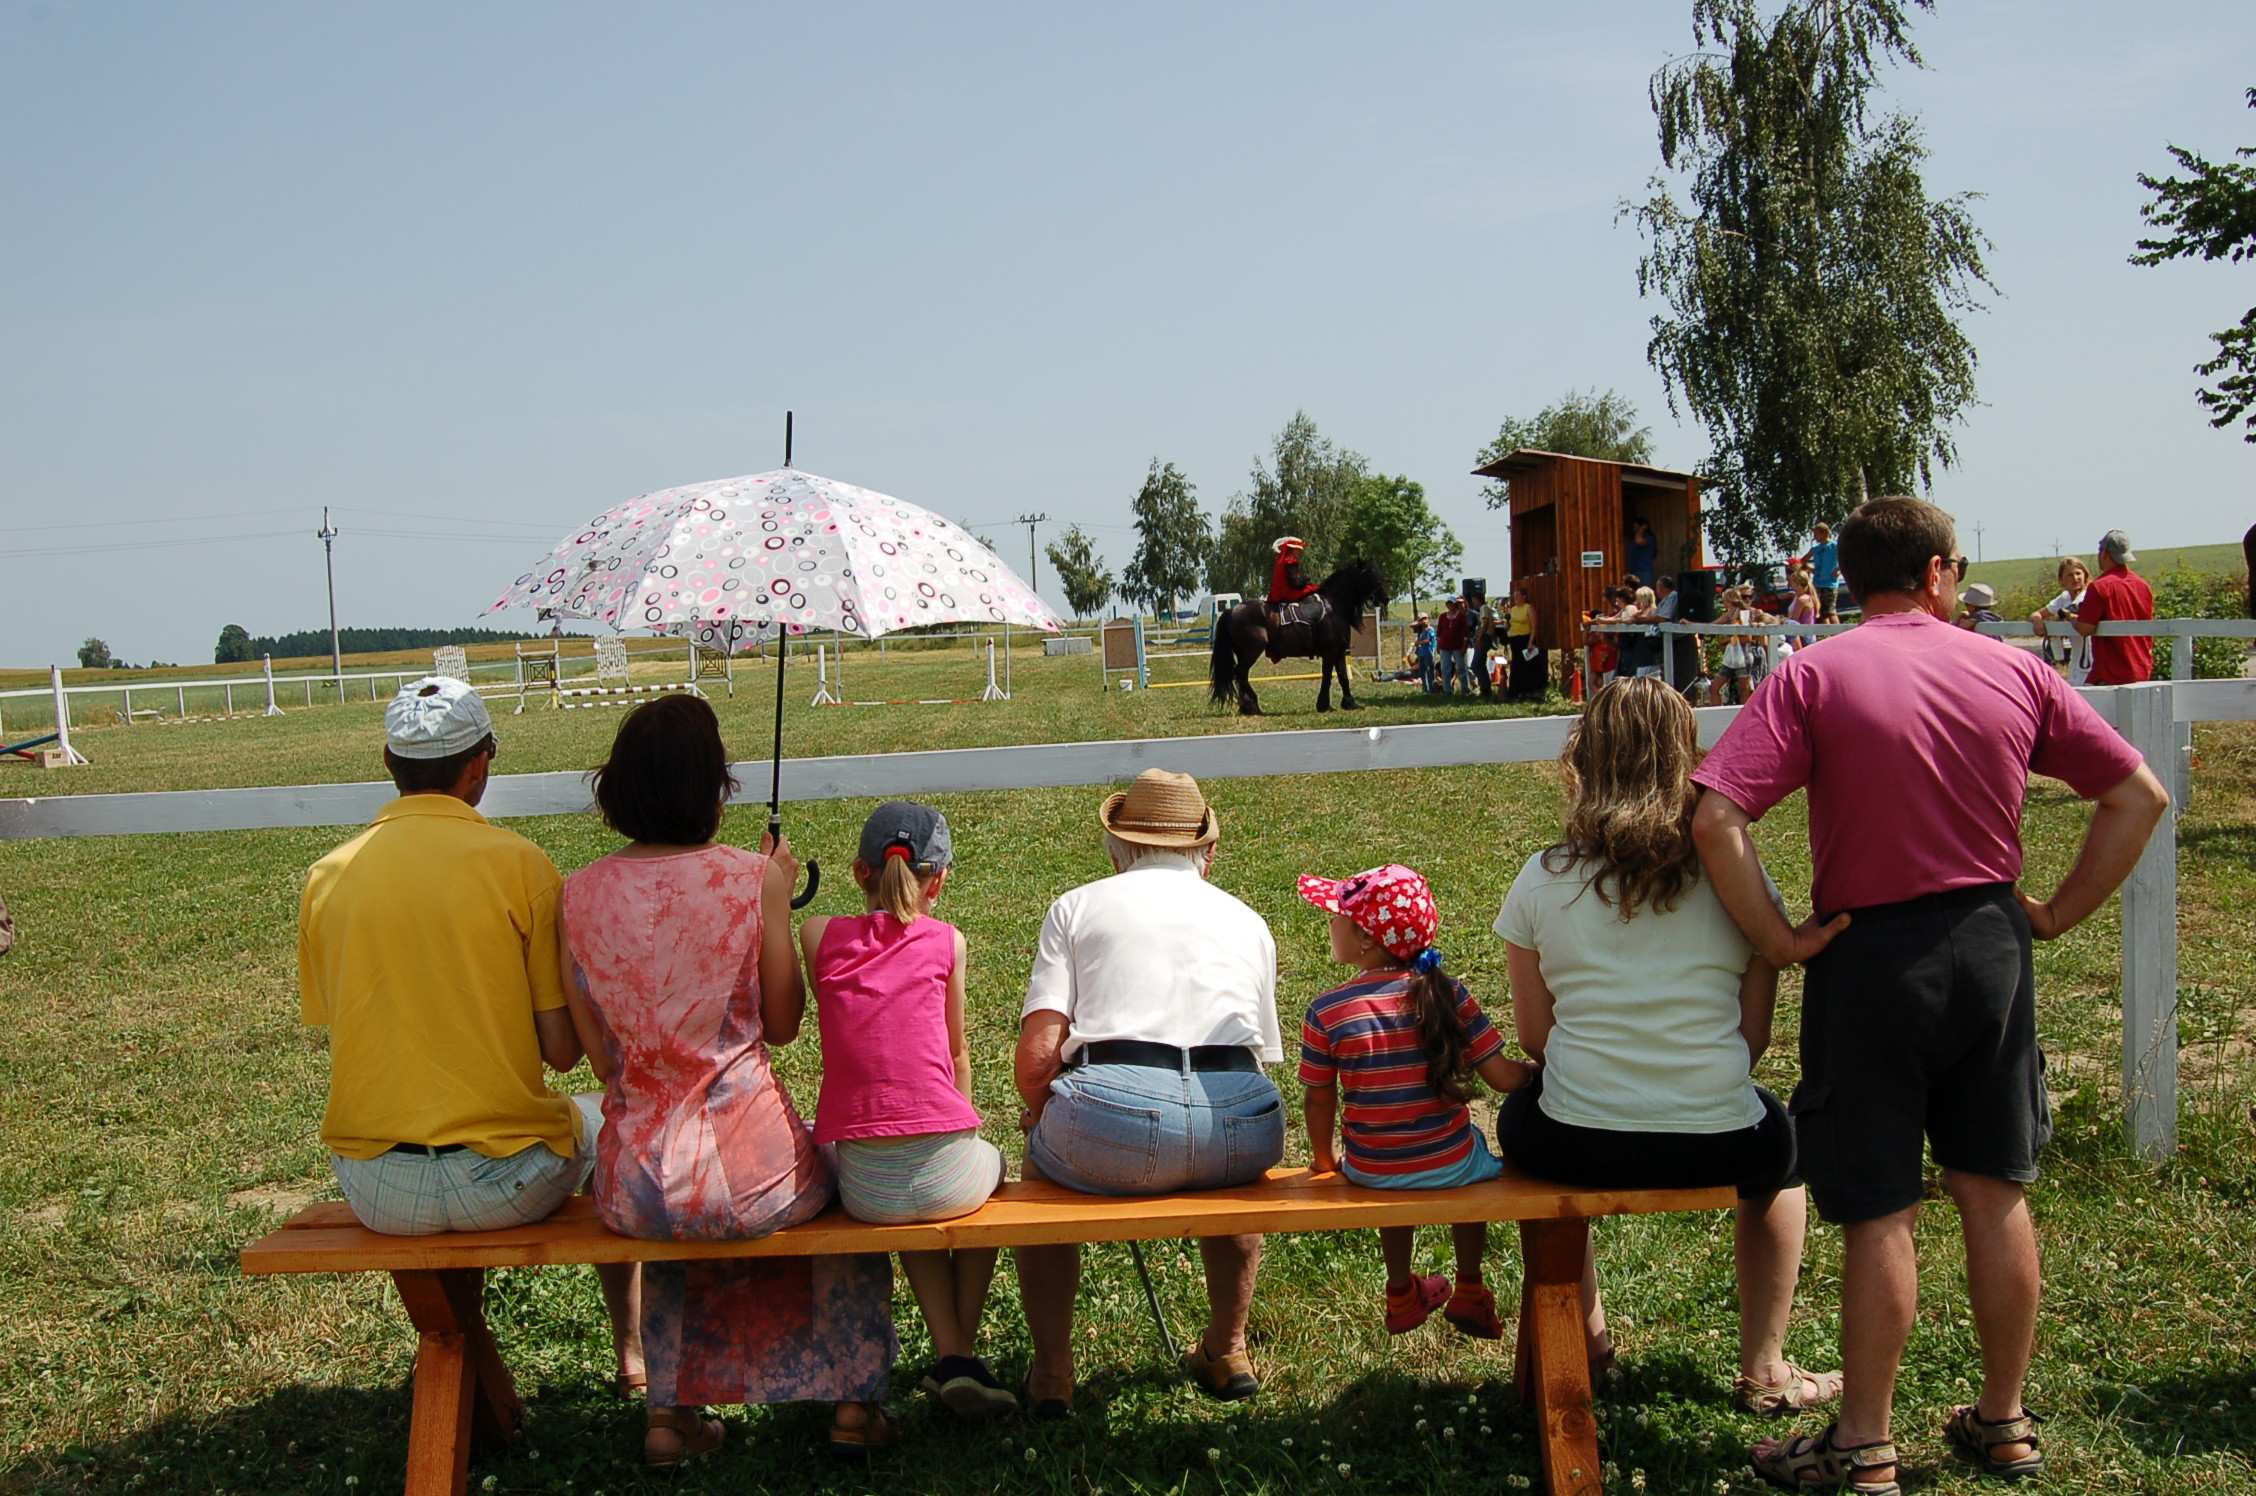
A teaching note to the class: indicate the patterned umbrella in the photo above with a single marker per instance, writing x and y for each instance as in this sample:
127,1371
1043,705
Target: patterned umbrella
784,548
787,547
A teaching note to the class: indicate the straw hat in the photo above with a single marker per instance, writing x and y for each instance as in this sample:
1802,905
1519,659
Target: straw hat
1160,809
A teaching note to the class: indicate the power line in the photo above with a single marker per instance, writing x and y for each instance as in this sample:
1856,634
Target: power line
168,543
113,522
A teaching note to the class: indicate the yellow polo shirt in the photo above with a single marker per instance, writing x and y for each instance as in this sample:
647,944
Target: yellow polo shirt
1522,620
426,944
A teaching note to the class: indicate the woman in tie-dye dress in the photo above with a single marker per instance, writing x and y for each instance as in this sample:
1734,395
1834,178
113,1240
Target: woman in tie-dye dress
684,974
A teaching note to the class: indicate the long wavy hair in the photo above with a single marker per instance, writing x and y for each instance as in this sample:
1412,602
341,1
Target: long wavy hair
1628,769
1434,997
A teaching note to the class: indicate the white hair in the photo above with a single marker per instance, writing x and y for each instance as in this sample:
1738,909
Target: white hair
1128,854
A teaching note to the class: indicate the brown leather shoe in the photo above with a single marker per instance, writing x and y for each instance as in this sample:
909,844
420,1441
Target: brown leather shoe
1227,1378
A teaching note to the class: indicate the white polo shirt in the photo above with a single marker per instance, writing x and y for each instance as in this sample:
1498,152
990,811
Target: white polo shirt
1157,953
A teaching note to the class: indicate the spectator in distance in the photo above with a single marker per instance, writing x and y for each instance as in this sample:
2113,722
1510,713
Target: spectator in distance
1150,1011
1644,552
1978,604
427,946
2074,655
1453,635
1823,559
2118,594
1919,1009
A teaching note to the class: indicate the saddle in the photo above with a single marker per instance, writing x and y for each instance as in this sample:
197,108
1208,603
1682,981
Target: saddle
1308,610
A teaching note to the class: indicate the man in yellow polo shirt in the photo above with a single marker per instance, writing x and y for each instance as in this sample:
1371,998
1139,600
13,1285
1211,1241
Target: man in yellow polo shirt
427,945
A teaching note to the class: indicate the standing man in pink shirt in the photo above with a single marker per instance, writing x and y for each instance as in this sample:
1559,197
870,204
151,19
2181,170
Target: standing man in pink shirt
2121,594
1915,741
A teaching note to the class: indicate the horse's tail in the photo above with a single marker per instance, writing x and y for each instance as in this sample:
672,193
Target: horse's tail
1222,673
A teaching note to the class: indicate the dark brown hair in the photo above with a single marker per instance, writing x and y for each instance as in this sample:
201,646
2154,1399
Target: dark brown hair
1434,998
1628,769
1887,543
667,777
434,776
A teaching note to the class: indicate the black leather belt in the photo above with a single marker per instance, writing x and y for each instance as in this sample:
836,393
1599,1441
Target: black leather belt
1168,1056
429,1150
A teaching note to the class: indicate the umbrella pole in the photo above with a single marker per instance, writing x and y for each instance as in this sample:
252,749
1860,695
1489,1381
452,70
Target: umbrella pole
775,774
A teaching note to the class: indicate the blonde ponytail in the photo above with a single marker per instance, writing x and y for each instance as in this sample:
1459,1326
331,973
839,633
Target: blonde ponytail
899,891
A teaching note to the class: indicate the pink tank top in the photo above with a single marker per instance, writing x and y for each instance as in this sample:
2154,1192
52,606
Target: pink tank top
881,998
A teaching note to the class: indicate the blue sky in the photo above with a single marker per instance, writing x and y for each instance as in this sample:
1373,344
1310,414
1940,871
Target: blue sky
469,274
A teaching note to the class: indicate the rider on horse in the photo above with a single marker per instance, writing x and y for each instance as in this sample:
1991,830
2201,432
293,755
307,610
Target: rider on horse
1286,585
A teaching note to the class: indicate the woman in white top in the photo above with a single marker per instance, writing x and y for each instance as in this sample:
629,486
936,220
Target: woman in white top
2076,653
1647,1009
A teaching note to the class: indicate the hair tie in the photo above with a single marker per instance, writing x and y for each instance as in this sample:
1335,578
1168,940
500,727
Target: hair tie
1427,960
900,850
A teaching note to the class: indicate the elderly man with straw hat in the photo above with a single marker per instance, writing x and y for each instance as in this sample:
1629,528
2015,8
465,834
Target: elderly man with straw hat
1151,1010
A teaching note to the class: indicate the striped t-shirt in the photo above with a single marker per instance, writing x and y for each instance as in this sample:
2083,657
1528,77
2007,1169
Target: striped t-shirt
1363,1036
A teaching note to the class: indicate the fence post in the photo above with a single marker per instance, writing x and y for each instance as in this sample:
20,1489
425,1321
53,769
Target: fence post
62,717
128,691
2181,668
2150,941
268,667
182,694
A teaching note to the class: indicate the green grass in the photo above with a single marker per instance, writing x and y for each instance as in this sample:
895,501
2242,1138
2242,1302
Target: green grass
1054,700
160,1104
2027,573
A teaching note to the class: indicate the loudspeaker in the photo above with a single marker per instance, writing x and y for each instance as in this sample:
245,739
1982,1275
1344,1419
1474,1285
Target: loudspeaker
1475,589
1696,597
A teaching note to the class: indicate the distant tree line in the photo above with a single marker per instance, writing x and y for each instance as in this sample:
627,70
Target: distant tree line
236,643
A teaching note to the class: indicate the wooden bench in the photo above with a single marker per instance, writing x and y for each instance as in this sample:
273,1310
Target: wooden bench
463,1391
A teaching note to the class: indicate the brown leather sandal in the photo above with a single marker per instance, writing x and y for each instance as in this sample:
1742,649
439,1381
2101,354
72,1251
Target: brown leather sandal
1805,1463
1975,1436
1227,1378
672,1436
860,1441
1800,1392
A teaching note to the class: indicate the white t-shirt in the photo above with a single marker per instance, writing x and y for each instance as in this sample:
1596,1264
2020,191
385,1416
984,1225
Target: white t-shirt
1646,1035
2065,604
1160,954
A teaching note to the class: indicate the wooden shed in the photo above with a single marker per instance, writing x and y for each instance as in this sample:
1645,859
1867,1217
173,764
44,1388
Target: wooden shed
1571,519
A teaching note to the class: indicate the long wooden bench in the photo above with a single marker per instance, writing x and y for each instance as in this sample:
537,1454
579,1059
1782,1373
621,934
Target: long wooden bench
463,1391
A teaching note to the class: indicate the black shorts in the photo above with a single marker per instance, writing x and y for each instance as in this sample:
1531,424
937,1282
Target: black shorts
1920,1019
1826,596
1758,1160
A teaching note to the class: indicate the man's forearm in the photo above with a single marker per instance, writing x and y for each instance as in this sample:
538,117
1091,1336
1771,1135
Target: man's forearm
2120,826
1727,853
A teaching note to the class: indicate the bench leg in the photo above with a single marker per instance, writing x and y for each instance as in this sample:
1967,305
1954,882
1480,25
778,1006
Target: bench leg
463,1392
1552,1366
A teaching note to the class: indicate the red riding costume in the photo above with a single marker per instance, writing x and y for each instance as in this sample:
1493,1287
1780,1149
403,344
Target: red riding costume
1286,584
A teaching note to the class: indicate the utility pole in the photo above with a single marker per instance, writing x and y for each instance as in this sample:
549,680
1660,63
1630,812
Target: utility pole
1979,527
328,534
1033,573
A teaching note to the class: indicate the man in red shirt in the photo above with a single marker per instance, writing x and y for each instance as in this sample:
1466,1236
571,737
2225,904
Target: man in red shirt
2121,594
1915,742
1453,635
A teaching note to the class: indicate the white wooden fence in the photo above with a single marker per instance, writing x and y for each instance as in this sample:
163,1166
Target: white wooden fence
2149,716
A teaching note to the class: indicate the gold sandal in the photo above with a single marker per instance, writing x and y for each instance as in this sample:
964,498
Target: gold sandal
1778,1400
690,1431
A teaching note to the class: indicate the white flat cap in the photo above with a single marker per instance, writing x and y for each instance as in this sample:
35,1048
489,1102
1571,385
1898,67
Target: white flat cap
435,717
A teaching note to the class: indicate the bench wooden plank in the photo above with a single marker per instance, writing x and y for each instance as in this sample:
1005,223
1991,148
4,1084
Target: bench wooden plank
325,1239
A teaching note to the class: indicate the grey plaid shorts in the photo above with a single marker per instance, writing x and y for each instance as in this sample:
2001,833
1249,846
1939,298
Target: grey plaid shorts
417,1194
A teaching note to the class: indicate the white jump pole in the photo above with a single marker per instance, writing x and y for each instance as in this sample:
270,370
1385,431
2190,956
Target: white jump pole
993,691
822,680
2150,939
268,666
62,717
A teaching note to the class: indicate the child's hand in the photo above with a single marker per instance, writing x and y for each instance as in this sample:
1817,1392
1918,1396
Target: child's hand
778,851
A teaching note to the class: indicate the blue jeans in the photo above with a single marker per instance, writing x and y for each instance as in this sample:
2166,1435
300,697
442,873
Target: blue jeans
1453,672
1141,1130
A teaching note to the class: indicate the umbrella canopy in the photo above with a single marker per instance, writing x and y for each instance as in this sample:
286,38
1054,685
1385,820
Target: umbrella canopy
784,547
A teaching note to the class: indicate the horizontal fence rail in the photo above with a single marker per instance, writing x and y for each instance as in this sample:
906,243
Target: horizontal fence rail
2149,716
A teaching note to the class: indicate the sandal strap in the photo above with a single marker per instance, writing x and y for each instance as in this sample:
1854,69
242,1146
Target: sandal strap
2019,1429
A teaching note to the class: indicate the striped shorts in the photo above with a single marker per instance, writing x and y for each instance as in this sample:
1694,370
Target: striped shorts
935,1176
417,1194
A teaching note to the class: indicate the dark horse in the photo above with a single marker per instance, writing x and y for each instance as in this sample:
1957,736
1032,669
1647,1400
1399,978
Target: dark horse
1242,635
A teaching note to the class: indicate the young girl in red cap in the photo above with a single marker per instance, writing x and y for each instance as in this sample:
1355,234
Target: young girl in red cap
1390,1048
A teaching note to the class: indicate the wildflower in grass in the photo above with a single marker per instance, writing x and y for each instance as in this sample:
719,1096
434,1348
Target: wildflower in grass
1286,1441
1421,1425
1213,1455
1030,1455
1637,1480
1345,1469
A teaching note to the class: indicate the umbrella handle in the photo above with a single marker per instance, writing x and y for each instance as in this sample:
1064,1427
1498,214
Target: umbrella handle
814,882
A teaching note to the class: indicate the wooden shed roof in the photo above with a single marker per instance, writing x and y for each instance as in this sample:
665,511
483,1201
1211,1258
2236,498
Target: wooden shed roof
1527,459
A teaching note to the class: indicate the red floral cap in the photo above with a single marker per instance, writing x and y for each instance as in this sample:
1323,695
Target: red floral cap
1391,904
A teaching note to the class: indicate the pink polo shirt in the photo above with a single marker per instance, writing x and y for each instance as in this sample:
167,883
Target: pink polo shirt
1916,741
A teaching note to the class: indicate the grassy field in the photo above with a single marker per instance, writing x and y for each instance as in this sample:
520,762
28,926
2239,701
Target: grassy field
1055,700
160,1104
2026,573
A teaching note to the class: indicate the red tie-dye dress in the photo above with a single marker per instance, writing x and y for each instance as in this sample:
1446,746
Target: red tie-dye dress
700,1141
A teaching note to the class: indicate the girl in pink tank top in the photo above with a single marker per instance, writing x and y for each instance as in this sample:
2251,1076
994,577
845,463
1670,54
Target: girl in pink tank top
896,1090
